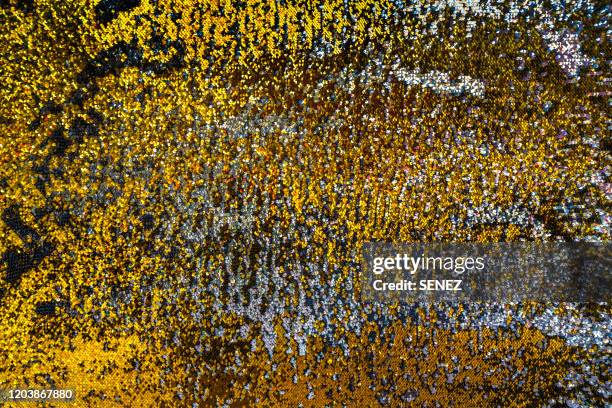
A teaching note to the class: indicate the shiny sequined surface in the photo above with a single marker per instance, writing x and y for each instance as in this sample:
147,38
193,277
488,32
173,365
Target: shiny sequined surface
186,186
